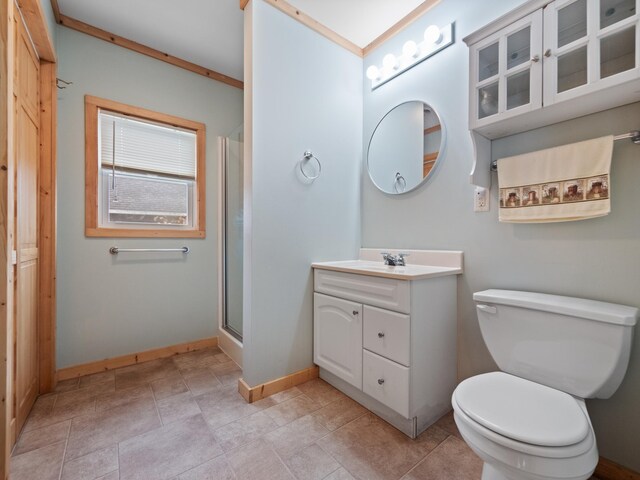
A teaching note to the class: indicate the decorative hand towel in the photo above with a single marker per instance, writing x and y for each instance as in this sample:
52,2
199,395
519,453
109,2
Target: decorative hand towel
560,184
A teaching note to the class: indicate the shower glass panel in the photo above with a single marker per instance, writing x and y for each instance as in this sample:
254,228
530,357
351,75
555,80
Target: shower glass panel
233,231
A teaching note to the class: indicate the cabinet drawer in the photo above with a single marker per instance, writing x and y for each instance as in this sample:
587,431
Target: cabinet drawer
387,333
386,381
377,291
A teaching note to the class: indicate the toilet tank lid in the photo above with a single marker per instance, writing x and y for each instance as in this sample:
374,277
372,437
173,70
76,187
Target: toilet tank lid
576,307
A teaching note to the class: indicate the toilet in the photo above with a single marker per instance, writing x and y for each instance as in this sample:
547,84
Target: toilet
530,421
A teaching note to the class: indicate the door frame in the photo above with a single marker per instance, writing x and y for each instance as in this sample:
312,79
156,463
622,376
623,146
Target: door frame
226,341
33,15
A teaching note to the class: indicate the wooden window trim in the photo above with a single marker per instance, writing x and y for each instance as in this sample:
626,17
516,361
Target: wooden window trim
92,229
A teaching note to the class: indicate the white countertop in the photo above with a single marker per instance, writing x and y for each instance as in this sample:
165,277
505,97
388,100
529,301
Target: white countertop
379,269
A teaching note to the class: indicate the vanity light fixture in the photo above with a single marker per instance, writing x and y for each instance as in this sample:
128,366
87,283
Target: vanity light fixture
435,39
390,62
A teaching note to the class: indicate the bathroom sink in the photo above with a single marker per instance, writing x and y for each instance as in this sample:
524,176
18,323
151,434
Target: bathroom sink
379,269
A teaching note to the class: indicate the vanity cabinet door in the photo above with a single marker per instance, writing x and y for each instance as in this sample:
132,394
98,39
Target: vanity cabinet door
506,72
337,342
589,45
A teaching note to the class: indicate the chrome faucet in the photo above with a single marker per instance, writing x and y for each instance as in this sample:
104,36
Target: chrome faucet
394,260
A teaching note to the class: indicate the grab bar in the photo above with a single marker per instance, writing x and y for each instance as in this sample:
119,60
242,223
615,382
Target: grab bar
116,250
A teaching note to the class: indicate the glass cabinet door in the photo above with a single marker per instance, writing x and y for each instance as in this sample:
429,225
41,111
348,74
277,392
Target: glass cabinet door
572,39
508,76
617,36
587,41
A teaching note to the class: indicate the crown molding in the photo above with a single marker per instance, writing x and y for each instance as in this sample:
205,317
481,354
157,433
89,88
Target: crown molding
148,51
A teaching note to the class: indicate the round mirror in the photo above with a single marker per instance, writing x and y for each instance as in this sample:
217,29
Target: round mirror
405,147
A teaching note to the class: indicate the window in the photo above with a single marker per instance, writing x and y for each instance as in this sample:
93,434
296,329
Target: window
145,173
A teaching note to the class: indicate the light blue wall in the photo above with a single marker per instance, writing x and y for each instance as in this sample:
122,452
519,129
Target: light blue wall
307,94
107,305
597,259
50,18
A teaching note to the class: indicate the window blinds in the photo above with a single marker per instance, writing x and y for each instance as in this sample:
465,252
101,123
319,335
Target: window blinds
146,147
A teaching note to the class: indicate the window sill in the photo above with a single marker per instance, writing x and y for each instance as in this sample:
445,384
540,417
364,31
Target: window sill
143,233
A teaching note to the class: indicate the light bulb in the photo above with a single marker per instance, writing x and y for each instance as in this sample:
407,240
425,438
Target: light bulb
390,61
410,49
373,72
432,35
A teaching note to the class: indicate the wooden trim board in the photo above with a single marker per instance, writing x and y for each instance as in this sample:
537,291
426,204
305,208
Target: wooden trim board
47,230
609,470
56,10
314,25
148,51
311,23
400,25
134,358
6,227
36,23
92,228
305,19
253,394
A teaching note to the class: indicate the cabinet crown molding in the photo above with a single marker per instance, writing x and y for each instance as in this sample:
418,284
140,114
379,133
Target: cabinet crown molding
505,20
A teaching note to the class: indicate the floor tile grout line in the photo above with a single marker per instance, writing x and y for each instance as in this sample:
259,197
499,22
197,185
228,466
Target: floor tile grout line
370,412
64,453
428,454
118,457
155,403
315,441
283,461
334,431
334,459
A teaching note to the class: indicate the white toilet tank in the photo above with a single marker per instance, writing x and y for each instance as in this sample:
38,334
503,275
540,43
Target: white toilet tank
575,345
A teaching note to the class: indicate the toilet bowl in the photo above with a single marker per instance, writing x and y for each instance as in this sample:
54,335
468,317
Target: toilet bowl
530,421
562,444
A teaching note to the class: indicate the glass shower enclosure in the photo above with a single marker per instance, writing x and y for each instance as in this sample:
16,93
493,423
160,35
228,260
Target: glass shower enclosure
232,235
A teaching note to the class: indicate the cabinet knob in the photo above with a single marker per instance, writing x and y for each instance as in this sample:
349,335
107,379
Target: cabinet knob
535,58
380,381
380,334
547,52
356,312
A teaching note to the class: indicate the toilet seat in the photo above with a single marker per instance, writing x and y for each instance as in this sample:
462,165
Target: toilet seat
519,459
522,410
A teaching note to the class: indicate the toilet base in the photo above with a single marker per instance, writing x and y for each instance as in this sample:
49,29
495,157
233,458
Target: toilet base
490,473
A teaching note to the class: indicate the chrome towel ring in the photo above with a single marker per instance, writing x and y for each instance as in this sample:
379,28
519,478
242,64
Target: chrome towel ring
307,157
399,182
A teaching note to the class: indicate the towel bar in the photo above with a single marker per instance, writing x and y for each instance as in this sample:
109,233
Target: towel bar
634,135
116,250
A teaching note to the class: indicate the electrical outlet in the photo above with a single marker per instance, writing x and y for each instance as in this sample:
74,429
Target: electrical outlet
481,199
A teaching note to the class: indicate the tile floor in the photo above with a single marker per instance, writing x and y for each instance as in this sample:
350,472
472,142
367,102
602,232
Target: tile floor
182,419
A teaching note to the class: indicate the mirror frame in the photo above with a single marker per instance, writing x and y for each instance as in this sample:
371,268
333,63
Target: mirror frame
443,139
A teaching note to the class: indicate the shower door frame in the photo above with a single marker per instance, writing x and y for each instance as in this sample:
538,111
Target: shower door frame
229,340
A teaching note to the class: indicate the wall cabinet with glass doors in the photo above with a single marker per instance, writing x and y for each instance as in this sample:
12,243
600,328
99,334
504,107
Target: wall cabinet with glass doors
549,61
561,51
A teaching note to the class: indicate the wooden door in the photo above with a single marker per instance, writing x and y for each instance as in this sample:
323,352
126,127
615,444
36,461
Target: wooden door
337,337
27,121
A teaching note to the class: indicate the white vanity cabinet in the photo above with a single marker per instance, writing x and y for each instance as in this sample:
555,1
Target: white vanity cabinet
388,340
549,61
